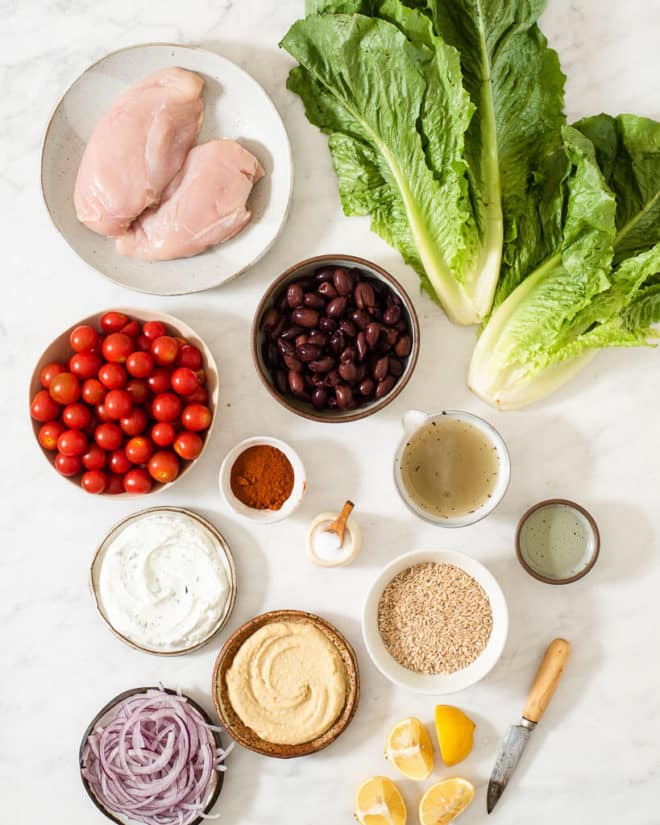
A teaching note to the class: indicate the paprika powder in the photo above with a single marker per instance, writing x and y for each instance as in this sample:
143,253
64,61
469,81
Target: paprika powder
262,477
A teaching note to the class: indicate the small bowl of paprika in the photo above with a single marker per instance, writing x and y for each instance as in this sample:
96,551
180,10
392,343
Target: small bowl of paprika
263,479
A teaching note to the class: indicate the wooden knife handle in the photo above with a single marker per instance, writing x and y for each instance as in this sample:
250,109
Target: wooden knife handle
547,679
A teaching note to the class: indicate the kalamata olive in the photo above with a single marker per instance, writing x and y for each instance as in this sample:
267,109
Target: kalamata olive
336,307
348,328
281,381
269,353
296,382
403,346
318,379
308,352
402,325
324,364
306,317
301,339
277,329
385,386
270,318
320,398
293,363
327,324
361,372
391,315
332,378
372,333
337,341
381,368
313,300
294,295
367,387
342,280
344,396
282,304
327,290
364,296
291,332
317,337
390,337
348,354
361,345
361,318
348,371
396,367
324,274
285,347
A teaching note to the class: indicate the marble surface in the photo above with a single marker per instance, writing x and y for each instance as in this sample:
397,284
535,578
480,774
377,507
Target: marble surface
595,758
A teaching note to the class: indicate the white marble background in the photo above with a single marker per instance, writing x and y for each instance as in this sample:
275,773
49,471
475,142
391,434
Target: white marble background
595,758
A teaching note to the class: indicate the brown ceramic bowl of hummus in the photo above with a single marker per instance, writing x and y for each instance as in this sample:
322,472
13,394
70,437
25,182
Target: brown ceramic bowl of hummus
286,684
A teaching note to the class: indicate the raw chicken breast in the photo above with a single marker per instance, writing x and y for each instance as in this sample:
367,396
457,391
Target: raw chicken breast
136,149
203,206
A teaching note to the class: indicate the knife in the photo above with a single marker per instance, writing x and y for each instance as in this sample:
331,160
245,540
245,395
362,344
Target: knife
543,688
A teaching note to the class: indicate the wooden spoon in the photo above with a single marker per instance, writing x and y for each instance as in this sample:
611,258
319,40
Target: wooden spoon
338,526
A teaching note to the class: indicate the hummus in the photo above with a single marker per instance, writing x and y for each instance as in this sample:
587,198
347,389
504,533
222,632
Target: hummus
287,682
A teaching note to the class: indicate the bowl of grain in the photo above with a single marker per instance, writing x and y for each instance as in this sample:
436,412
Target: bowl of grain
435,621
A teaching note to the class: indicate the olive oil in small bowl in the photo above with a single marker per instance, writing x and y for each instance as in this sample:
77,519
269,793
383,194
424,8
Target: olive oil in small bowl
451,468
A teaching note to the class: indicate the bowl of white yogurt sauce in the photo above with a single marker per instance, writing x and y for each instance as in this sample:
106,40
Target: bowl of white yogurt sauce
164,580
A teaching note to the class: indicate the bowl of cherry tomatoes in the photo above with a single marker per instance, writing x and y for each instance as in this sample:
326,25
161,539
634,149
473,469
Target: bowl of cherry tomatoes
124,401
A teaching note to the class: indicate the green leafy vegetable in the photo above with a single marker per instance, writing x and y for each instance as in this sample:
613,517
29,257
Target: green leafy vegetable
438,117
601,286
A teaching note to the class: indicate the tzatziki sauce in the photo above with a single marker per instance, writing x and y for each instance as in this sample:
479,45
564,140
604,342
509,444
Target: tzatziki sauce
161,581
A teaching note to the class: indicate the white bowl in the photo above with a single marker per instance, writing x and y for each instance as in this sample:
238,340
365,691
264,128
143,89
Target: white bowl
442,683
235,107
251,513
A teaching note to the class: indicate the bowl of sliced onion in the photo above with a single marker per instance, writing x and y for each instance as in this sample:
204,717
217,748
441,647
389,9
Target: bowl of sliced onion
152,756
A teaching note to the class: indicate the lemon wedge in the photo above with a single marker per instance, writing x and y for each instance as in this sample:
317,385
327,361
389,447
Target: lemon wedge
378,801
409,748
455,733
445,800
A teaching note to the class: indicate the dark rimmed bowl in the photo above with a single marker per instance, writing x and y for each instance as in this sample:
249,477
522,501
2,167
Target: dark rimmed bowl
299,270
244,735
592,526
219,775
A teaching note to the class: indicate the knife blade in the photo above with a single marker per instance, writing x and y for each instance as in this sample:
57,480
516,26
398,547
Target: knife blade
544,685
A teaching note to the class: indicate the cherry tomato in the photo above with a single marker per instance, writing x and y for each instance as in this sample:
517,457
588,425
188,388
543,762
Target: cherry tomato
164,350
64,388
163,434
189,356
200,396
132,329
68,465
140,364
163,466
143,343
112,376
119,463
72,442
94,481
138,390
83,338
153,330
92,391
76,416
85,364
184,381
115,485
94,458
139,449
118,404
43,408
102,413
49,372
134,423
114,321
188,445
108,436
166,406
49,433
117,347
137,481
159,380
196,417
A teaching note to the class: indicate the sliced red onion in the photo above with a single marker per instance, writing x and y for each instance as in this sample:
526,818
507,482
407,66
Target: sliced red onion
154,761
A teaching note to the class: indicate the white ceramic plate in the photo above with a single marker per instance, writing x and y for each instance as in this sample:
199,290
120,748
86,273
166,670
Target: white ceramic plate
235,106
441,683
